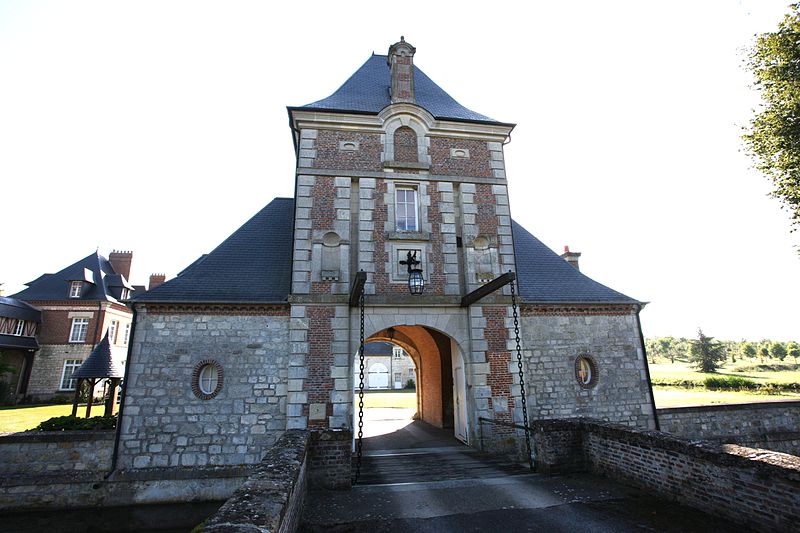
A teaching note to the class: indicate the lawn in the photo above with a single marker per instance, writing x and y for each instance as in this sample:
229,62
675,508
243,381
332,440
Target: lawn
23,417
686,371
678,396
404,400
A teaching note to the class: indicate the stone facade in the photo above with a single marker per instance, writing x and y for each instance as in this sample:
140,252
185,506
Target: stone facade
554,338
372,190
165,424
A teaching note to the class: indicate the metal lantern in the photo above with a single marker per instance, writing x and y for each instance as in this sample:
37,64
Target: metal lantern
416,283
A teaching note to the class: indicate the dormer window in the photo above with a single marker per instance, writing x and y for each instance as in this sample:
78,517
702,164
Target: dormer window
406,209
75,289
125,294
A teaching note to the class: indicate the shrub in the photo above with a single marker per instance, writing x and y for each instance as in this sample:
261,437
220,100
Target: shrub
676,382
73,423
410,385
730,383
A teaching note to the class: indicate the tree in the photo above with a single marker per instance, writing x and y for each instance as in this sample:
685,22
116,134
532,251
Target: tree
778,350
793,350
763,351
706,353
747,349
773,139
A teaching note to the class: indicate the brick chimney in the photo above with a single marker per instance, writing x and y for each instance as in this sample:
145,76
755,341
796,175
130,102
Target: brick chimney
156,280
121,262
571,257
401,65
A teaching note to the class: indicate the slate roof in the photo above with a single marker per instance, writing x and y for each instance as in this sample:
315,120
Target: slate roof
544,277
367,91
94,269
13,308
253,265
100,363
378,348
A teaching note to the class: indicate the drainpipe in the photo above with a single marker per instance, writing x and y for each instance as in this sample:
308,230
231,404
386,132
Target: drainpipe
647,369
118,432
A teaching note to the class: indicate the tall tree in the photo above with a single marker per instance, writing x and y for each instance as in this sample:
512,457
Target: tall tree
773,138
706,353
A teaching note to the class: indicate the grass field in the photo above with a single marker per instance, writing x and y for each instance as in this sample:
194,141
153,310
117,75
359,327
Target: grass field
24,417
685,371
405,399
680,397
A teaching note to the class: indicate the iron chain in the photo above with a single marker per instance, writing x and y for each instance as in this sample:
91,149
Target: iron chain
359,444
521,376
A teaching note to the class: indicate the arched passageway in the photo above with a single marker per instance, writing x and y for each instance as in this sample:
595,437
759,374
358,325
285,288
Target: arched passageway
439,371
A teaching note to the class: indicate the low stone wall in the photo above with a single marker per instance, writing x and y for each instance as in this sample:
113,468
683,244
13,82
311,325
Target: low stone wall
757,488
272,497
52,452
770,425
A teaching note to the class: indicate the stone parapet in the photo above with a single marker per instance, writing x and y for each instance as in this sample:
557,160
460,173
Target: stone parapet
770,425
757,488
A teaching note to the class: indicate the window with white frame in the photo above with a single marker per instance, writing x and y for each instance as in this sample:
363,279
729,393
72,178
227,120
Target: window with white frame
19,329
70,366
112,332
126,334
406,208
75,289
125,294
79,328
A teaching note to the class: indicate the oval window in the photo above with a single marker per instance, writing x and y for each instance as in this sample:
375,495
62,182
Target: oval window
207,379
586,371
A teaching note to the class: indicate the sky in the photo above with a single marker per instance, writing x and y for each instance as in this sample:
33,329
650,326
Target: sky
161,127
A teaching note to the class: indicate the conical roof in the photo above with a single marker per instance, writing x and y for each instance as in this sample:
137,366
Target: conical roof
100,363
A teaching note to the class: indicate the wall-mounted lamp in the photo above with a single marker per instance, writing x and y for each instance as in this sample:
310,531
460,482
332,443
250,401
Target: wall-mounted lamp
416,284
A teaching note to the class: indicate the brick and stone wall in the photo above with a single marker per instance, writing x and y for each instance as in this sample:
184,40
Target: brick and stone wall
552,342
771,425
756,488
166,424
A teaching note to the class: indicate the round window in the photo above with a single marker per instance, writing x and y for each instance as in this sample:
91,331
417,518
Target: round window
207,379
586,371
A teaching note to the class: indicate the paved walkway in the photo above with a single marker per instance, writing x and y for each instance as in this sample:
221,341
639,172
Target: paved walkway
418,478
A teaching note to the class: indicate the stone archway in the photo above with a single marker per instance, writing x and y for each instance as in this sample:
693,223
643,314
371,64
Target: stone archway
432,352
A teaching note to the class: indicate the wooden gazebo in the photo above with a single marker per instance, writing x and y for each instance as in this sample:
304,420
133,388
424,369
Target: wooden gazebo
99,365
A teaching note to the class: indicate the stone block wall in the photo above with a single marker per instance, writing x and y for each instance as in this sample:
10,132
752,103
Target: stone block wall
553,340
48,365
272,497
753,487
165,424
772,425
55,452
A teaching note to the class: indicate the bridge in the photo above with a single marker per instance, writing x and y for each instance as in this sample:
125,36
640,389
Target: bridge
415,477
